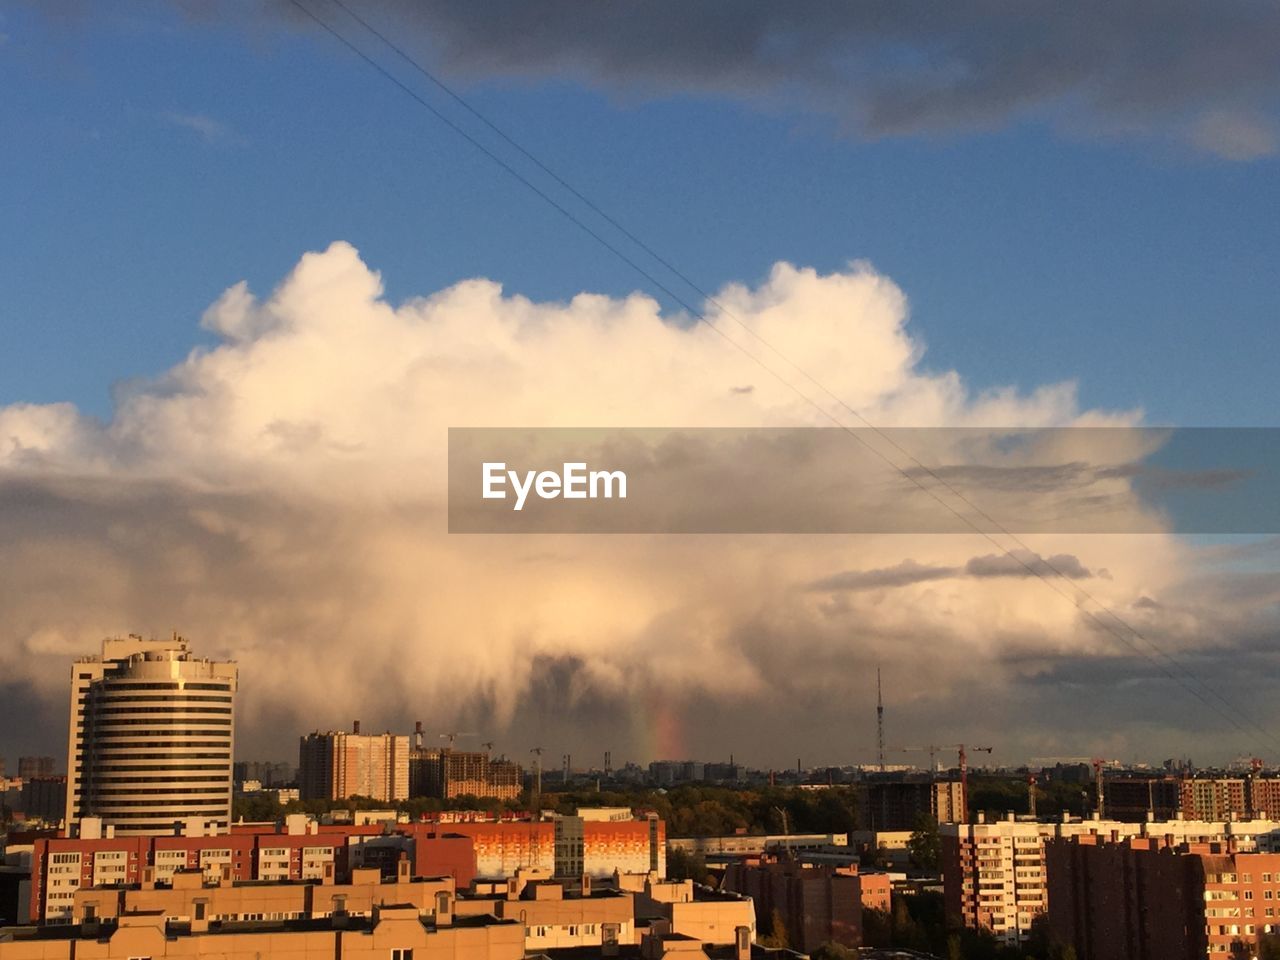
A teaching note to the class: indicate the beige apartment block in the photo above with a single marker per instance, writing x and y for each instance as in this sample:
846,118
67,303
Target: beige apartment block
192,898
392,933
337,765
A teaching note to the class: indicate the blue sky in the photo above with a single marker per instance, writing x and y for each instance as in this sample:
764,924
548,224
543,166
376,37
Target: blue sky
151,161
1068,195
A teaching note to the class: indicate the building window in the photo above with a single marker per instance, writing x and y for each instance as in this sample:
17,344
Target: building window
402,953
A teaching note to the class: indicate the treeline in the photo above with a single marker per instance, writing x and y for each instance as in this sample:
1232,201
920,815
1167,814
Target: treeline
698,810
689,811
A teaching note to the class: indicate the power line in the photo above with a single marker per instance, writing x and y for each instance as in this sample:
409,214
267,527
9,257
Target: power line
725,311
700,315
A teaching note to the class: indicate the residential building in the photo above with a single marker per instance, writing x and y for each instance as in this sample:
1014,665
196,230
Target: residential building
994,874
31,767
300,850
1149,898
337,765
815,904
893,805
398,932
447,773
151,737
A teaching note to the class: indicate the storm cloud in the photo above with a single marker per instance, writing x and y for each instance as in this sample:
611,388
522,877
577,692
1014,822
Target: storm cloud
279,498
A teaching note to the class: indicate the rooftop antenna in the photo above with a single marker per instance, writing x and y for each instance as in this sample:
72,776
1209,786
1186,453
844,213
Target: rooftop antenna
879,722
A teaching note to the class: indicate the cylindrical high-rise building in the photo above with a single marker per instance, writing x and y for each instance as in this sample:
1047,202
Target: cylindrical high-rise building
152,737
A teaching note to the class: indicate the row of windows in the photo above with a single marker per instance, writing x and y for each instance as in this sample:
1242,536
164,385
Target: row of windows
110,696
142,767
105,794
168,822
133,711
109,805
155,744
169,728
157,685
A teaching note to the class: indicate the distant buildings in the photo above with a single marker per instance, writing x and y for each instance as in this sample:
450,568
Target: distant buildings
335,765
31,767
152,729
1136,798
267,773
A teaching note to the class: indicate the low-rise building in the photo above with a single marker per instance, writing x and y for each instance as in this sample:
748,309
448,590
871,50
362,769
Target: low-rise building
815,904
398,932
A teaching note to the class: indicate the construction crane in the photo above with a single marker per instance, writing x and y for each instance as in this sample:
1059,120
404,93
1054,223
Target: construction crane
879,722
537,780
1031,795
1098,764
454,736
488,745
962,756
786,832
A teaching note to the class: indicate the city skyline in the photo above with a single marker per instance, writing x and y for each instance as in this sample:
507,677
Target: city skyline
252,286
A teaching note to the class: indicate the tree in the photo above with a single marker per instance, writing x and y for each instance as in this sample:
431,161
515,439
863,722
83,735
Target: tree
777,932
683,865
924,845
1269,947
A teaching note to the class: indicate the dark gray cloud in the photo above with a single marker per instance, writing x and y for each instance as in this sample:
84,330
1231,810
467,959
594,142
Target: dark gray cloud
1203,73
1023,563
1018,563
1199,73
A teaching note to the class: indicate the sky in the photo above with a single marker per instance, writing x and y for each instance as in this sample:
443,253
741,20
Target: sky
248,282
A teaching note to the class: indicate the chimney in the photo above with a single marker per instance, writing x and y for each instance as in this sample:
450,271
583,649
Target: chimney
355,726
417,735
609,940
444,908
742,943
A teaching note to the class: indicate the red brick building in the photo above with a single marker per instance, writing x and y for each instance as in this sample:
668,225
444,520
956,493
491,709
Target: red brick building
1147,899
817,904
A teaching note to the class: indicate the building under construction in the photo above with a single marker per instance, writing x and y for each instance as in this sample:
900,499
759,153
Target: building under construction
447,773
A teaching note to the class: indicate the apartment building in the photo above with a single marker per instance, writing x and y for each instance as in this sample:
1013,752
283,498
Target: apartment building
994,873
299,849
396,932
337,765
447,774
1149,898
891,805
151,738
817,904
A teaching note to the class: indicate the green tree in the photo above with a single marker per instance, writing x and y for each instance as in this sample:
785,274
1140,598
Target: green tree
777,936
834,951
1269,947
924,845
